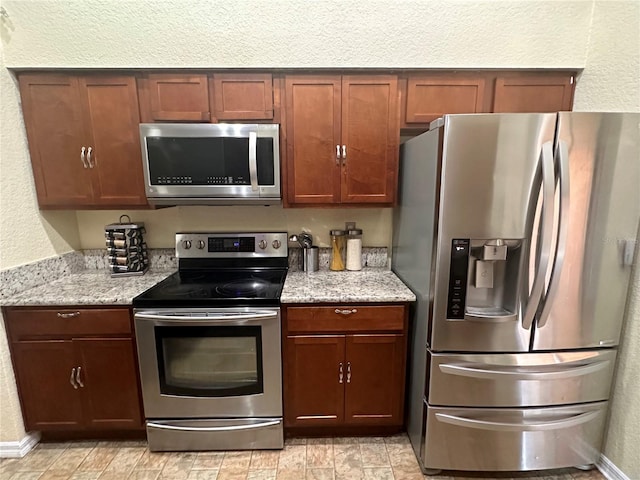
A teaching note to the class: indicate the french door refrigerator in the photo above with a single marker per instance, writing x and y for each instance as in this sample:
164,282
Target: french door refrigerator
516,232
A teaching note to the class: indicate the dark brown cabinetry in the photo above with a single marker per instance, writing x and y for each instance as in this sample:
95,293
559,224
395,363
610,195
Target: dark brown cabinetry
344,366
533,93
431,96
75,368
238,96
174,98
342,138
83,139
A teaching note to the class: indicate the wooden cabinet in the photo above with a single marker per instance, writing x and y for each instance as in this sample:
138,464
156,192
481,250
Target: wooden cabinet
344,366
76,369
242,96
431,96
168,97
342,138
533,93
83,139
175,97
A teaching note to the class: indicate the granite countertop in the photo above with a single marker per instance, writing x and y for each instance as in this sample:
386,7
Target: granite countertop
88,287
367,285
97,287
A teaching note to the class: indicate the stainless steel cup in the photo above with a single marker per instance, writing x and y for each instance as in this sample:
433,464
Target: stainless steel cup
310,259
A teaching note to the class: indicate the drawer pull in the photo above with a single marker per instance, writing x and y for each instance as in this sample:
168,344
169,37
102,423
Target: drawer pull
348,372
68,315
72,379
340,373
78,380
346,311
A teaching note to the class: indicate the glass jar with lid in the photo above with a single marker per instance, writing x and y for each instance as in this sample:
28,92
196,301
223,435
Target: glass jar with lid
338,252
354,249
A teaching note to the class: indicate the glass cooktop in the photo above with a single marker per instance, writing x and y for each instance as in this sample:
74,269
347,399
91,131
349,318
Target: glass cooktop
215,288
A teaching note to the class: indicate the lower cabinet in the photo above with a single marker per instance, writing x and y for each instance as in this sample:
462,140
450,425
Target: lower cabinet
344,366
75,369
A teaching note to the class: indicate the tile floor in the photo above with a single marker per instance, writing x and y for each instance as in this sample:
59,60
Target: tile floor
367,458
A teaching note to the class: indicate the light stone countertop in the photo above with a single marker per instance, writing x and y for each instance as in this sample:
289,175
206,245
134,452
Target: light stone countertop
367,285
97,287
88,287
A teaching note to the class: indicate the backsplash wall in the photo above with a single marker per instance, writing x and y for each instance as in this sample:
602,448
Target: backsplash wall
161,225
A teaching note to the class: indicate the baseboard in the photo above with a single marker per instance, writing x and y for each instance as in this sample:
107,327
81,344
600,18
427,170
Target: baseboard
21,448
609,469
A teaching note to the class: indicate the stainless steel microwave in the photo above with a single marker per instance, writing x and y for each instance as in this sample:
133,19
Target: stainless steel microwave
211,163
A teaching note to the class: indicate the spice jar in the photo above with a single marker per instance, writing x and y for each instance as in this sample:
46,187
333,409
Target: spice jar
354,249
338,254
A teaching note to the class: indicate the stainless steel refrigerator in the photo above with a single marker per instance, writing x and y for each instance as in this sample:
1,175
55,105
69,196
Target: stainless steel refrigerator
516,232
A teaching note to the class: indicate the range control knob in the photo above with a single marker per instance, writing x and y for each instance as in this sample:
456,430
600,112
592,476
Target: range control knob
186,244
262,244
276,244
200,244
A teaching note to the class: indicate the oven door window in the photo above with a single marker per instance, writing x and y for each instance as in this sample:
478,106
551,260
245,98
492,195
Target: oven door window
210,361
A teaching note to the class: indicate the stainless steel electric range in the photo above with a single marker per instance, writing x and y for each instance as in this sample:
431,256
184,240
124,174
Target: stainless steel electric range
208,342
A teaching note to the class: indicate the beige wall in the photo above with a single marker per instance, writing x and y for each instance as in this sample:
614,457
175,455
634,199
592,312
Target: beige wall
601,37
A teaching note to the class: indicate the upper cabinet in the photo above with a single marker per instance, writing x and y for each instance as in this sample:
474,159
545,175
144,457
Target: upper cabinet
541,92
238,96
431,96
174,98
342,137
83,139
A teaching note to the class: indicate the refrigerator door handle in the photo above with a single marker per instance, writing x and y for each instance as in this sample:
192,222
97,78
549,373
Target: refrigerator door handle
524,373
562,154
572,421
548,193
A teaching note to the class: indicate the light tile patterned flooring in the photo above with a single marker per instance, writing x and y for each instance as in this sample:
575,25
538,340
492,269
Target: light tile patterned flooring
366,458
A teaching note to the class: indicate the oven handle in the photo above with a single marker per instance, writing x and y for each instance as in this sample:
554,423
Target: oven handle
215,429
244,316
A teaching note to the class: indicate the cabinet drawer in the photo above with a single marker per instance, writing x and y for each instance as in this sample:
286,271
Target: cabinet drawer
348,318
65,322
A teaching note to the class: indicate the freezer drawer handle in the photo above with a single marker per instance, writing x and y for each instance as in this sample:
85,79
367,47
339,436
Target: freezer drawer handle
572,421
560,372
229,428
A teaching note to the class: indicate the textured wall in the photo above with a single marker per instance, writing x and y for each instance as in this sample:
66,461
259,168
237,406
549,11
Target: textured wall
11,427
285,33
601,37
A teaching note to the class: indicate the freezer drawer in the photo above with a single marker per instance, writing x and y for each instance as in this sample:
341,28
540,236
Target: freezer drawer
492,439
521,379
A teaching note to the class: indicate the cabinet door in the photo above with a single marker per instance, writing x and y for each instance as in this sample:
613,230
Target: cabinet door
533,93
374,388
111,110
174,98
110,383
313,136
56,134
43,370
431,97
239,96
313,387
371,135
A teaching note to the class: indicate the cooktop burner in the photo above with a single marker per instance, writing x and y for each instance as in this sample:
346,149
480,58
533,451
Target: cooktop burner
211,288
222,269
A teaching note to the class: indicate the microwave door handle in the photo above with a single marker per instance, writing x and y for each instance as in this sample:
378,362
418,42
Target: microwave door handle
253,162
562,154
548,187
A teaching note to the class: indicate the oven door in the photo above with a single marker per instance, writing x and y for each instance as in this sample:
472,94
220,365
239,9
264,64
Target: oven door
210,363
